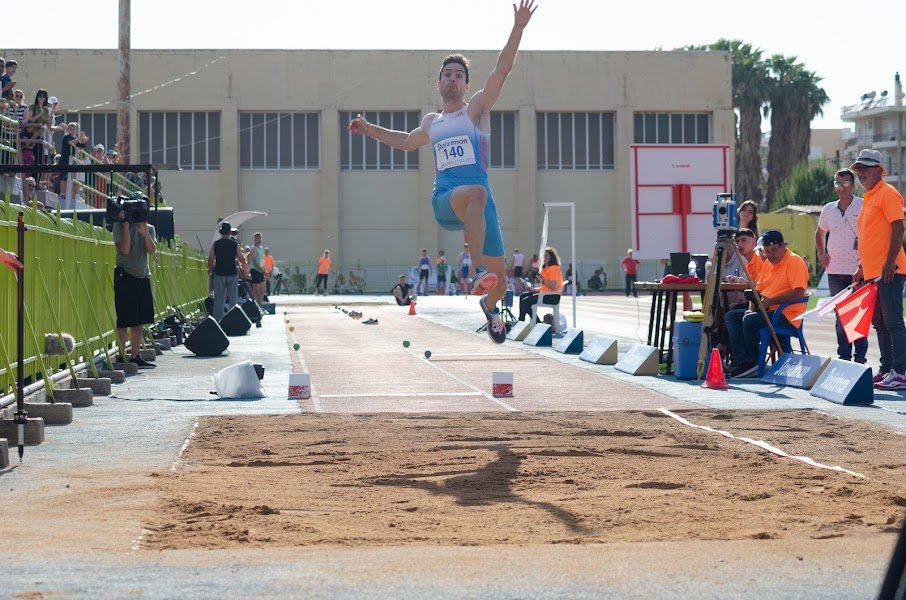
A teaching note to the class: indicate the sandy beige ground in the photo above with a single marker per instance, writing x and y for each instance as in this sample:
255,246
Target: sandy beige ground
497,478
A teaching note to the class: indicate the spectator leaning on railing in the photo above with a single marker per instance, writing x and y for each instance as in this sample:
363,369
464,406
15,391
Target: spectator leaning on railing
7,83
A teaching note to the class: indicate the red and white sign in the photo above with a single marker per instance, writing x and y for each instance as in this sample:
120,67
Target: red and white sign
299,386
502,384
673,190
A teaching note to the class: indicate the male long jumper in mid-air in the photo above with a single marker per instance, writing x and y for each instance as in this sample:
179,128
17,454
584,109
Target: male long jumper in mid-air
461,136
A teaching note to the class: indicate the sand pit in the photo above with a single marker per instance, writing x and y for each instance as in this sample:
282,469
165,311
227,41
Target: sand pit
539,478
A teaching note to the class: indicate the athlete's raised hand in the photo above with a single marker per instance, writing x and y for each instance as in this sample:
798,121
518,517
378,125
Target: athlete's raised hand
359,125
523,13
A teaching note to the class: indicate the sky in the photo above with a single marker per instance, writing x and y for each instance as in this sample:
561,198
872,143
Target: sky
826,38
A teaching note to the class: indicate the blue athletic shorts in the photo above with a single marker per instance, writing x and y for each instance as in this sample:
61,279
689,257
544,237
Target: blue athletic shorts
446,218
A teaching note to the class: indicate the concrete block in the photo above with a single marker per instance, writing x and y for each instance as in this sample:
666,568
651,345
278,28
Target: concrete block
34,431
173,343
126,367
150,355
163,343
77,398
59,413
99,386
114,376
4,453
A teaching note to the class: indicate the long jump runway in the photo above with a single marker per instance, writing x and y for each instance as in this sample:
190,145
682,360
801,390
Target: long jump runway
366,368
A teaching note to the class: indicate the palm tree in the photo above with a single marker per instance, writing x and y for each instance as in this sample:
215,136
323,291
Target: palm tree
796,99
751,91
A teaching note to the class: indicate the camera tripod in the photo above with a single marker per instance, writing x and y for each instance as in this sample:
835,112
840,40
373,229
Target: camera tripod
723,247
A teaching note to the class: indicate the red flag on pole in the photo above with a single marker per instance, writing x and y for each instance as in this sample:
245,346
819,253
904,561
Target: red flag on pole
10,260
855,312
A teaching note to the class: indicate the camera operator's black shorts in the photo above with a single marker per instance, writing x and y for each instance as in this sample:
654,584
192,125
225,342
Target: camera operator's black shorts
256,275
132,299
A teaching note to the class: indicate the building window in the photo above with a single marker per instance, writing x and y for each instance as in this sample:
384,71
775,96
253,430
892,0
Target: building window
189,140
575,141
504,140
672,128
270,140
101,128
359,153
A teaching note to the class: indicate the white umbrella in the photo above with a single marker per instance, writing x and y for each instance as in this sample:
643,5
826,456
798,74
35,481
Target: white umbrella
237,219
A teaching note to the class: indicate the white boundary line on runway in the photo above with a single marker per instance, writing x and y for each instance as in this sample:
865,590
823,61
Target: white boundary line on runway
761,444
469,385
315,399
487,355
399,394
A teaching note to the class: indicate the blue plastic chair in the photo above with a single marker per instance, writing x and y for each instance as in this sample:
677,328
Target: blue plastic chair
784,334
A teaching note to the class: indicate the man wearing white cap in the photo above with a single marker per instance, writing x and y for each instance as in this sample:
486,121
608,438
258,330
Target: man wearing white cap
880,241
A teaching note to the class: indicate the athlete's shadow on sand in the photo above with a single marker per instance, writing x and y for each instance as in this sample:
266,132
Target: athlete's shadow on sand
487,485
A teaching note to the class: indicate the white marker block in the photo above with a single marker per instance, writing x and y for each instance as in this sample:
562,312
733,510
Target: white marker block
502,384
299,386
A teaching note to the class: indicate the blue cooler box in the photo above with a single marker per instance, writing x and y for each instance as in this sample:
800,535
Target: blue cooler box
686,339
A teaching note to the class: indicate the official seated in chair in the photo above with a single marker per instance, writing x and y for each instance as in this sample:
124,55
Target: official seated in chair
782,278
550,280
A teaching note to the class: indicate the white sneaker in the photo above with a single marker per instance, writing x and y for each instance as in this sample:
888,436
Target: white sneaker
892,381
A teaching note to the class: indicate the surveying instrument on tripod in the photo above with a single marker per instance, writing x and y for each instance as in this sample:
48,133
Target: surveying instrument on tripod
726,221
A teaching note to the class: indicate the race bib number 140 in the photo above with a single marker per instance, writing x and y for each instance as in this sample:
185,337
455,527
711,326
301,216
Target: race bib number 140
454,152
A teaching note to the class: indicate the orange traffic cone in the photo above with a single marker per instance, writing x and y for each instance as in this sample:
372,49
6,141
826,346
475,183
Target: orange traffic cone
715,379
412,307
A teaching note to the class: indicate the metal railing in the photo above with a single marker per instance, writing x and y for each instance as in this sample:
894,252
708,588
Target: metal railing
9,141
69,288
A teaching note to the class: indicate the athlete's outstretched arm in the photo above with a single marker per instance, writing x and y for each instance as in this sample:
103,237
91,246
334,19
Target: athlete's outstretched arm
485,99
398,139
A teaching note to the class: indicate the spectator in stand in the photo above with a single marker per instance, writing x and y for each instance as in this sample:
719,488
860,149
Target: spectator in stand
97,152
111,157
323,272
441,273
31,134
536,269
21,106
268,270
631,269
7,83
29,193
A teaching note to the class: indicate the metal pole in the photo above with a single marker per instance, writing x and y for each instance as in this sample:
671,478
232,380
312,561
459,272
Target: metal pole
21,417
123,86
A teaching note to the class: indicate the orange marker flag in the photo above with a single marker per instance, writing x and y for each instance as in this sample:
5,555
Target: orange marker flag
856,310
10,260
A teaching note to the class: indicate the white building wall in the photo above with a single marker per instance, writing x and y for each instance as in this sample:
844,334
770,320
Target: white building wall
386,216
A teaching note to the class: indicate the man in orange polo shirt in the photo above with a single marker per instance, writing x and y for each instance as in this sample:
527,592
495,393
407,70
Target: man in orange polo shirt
880,241
783,277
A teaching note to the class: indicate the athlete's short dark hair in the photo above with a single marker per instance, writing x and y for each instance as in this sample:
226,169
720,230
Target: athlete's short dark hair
458,59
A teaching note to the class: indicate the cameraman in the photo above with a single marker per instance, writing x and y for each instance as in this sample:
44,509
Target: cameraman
134,304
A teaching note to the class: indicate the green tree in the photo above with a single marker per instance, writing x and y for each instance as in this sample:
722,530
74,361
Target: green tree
751,90
796,99
809,182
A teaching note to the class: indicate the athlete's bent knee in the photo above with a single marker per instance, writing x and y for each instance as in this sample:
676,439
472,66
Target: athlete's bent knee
477,195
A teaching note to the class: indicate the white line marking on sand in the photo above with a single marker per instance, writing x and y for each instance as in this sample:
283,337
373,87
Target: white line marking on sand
761,444
185,445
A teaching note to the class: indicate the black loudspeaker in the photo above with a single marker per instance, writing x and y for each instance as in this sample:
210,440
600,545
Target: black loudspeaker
252,310
235,322
208,339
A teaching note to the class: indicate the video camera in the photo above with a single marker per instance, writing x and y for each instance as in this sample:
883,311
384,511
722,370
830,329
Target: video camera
135,206
725,217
